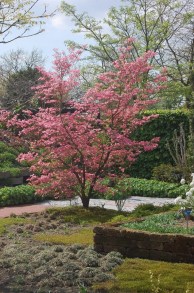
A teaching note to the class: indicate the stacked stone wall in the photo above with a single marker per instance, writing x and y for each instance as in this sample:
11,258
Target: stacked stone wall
132,244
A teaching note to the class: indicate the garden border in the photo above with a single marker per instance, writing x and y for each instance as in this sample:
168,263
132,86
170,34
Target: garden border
138,244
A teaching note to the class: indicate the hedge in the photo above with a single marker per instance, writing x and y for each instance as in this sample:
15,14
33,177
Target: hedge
162,127
21,194
8,162
154,188
147,188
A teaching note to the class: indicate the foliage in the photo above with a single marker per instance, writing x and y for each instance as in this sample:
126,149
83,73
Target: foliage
8,162
163,126
143,210
161,223
167,173
84,236
17,75
118,190
9,221
18,19
17,195
127,277
70,153
19,92
154,188
79,215
12,171
187,201
7,153
164,27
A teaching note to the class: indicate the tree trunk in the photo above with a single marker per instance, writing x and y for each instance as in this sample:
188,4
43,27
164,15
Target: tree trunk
191,122
85,201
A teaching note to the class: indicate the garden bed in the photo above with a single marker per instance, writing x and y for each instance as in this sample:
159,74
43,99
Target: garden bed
52,251
172,247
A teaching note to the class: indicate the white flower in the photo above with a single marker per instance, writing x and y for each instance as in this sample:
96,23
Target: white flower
178,200
189,193
189,197
182,181
192,184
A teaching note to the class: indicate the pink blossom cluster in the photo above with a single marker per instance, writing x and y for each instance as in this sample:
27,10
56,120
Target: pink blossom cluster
70,153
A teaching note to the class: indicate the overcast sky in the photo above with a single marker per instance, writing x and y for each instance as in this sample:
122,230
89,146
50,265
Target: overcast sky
58,29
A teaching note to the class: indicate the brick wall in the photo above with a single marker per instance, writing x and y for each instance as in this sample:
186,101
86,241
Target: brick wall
132,244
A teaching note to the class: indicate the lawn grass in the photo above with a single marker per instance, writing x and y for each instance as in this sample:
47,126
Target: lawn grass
4,222
148,276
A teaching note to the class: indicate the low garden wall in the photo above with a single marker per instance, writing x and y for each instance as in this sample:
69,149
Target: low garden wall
133,244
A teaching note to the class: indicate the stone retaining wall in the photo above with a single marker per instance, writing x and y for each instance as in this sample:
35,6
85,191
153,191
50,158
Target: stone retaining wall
132,244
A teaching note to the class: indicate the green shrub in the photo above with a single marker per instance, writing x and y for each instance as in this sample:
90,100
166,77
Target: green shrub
8,163
6,148
13,171
144,210
167,173
18,195
7,156
146,188
162,127
154,188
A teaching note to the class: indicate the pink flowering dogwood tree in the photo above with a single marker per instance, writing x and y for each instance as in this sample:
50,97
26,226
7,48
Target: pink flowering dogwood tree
71,153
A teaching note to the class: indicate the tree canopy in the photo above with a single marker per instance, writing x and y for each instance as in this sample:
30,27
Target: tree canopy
70,153
18,19
163,26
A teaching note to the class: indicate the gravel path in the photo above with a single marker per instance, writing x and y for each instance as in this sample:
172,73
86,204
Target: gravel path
130,204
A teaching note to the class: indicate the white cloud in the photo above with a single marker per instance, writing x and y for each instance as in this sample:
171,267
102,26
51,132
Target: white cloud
58,21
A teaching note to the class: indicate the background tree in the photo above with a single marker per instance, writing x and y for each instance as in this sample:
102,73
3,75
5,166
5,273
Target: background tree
19,92
16,60
18,19
18,75
164,26
71,153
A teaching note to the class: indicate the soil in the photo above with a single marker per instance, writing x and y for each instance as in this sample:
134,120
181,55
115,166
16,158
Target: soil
29,266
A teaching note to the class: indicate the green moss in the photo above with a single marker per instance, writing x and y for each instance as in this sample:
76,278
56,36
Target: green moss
84,236
146,276
4,222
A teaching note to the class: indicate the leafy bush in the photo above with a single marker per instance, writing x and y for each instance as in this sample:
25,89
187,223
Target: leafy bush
13,171
154,188
8,162
18,195
167,173
7,156
162,127
6,148
144,210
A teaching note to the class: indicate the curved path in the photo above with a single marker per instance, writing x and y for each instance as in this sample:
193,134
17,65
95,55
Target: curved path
130,204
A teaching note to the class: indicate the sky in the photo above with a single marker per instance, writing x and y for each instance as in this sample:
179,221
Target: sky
59,27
